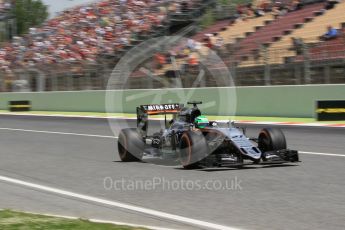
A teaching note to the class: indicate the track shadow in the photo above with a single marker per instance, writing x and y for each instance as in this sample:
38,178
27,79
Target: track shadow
279,166
226,169
245,167
216,169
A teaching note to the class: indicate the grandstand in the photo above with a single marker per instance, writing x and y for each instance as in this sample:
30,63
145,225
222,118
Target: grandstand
247,36
241,28
218,27
310,33
253,43
328,50
251,46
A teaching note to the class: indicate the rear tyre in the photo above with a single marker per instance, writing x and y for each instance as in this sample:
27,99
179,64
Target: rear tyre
193,149
271,139
130,145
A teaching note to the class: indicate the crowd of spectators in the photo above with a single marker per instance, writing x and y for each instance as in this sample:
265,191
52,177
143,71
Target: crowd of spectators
78,36
81,34
251,10
182,6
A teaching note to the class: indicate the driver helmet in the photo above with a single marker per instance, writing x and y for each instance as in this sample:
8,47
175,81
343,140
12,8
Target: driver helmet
201,122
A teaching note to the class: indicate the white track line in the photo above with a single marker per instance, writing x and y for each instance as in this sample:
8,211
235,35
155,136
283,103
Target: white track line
293,124
116,204
322,154
60,133
69,116
113,137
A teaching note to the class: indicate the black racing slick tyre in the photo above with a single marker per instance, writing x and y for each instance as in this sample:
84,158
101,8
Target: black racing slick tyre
130,145
193,149
271,139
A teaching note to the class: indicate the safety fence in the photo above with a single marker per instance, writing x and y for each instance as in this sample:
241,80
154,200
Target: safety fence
297,62
310,67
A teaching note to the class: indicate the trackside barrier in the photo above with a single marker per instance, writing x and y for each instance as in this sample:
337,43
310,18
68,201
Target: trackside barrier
277,101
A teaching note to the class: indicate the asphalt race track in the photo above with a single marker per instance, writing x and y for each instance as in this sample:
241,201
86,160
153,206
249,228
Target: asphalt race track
78,154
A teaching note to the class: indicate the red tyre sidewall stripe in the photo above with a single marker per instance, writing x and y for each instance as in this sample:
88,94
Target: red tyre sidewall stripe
124,146
264,132
189,150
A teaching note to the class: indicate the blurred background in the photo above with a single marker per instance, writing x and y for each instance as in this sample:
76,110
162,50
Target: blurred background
74,45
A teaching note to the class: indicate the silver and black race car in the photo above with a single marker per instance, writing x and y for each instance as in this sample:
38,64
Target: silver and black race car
190,139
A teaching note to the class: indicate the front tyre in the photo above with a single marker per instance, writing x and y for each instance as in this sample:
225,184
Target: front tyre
193,149
271,139
130,145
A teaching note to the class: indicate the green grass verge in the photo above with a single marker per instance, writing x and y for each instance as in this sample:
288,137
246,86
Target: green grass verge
239,118
10,220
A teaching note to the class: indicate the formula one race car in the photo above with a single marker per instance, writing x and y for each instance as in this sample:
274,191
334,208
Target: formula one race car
192,140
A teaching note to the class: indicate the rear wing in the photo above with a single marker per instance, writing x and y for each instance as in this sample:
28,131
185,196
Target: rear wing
159,109
144,111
